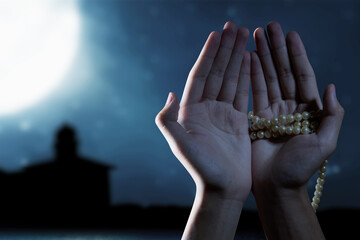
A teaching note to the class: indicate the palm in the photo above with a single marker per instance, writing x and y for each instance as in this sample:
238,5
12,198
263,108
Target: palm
218,135
283,82
292,160
214,117
209,127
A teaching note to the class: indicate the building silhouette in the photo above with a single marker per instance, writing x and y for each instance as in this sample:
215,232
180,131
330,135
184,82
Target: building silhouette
68,186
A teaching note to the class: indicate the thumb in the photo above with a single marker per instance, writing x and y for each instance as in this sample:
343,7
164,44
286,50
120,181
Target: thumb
166,121
330,125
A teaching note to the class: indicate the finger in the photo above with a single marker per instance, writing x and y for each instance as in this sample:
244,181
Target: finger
195,83
216,75
330,125
242,90
263,51
231,79
166,120
281,60
258,85
304,73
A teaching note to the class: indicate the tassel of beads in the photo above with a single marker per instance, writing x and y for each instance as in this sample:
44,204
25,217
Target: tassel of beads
319,186
291,124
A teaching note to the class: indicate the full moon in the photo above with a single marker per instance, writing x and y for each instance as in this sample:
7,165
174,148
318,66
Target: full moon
38,43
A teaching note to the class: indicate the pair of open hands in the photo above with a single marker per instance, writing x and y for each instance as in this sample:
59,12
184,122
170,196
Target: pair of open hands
208,130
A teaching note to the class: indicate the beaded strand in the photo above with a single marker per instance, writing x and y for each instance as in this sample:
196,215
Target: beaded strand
319,186
291,124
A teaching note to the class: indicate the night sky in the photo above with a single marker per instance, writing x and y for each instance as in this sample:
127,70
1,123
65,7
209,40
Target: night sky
130,54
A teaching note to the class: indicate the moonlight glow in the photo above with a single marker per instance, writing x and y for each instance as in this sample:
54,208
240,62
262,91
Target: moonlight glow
37,45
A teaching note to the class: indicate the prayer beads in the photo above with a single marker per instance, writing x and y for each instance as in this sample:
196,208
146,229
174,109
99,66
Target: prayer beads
287,125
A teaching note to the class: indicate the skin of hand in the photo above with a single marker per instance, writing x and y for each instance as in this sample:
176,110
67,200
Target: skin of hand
208,133
283,82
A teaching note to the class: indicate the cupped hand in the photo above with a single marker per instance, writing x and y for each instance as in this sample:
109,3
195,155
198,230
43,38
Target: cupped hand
208,130
284,82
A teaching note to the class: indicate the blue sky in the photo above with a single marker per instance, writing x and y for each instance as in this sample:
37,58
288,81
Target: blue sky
131,54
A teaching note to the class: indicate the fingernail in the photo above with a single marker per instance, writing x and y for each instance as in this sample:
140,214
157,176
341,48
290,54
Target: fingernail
224,25
228,22
169,99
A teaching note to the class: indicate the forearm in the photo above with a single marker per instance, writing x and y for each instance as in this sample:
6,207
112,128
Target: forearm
212,217
287,214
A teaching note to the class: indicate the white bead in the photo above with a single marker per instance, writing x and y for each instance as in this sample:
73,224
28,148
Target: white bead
297,124
317,194
319,187
255,119
305,123
253,135
260,134
321,175
325,163
305,130
267,134
296,130
274,121
290,118
282,119
316,200
298,117
250,115
305,115
289,130
275,128
323,169
267,123
282,130
254,127
320,181
315,206
260,124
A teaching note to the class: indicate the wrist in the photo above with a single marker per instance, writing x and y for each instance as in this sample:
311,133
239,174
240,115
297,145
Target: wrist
283,201
216,200
213,216
229,194
281,195
286,213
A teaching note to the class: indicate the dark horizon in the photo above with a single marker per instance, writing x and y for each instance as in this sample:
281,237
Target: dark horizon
71,193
